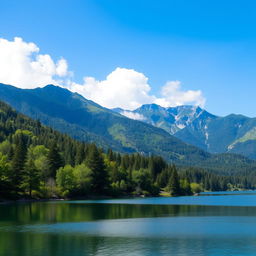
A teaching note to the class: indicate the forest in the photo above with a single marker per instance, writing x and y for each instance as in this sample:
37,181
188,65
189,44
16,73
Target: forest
39,162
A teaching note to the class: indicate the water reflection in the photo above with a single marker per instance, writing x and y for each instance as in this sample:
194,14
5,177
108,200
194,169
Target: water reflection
26,213
80,245
82,228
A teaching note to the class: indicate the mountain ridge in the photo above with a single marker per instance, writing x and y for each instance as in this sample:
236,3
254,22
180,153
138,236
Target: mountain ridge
87,121
71,113
234,133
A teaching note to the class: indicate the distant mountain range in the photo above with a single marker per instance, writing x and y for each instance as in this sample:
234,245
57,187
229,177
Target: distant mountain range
85,120
196,126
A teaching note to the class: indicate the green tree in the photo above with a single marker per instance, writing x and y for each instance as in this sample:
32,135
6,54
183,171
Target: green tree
83,179
54,160
38,154
196,188
95,162
174,184
110,155
18,161
185,187
5,176
142,179
65,180
31,177
80,154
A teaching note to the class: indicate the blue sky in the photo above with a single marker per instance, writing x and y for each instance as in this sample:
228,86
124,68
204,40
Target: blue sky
206,45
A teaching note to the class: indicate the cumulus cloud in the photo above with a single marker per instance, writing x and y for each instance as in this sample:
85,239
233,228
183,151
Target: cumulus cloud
172,95
22,65
129,89
131,115
124,88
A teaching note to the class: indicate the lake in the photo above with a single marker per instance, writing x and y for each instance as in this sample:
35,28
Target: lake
210,224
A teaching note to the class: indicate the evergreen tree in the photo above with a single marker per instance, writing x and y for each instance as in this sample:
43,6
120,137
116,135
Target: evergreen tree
110,155
164,177
137,162
31,177
54,160
118,159
5,176
18,162
126,172
156,165
174,184
80,154
99,175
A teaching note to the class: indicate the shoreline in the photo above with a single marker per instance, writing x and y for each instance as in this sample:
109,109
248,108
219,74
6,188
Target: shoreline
32,200
22,200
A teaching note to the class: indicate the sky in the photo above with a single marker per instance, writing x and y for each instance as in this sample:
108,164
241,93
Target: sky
128,53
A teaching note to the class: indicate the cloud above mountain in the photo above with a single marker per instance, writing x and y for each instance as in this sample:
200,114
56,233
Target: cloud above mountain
172,95
129,89
124,88
22,65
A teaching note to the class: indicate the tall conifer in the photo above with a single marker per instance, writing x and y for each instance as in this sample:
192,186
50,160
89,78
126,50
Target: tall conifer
174,184
99,174
18,162
54,160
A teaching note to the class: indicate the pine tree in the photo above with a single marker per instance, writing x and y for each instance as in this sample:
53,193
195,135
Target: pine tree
99,174
31,177
10,153
18,162
80,154
174,184
137,161
110,155
54,160
118,159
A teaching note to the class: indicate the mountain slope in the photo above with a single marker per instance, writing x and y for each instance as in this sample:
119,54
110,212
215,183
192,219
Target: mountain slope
85,120
31,153
170,119
229,134
232,134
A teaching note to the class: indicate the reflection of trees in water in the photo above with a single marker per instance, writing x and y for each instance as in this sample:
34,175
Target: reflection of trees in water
72,244
20,244
53,212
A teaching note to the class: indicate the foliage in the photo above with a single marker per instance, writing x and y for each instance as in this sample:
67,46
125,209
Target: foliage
84,120
38,162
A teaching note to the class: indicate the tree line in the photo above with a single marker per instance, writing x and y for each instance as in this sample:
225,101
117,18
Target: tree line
38,162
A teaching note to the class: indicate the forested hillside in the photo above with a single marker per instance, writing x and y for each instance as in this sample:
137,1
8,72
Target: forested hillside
38,162
87,121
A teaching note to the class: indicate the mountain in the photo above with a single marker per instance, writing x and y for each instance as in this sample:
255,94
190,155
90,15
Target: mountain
87,121
46,157
233,134
196,126
170,119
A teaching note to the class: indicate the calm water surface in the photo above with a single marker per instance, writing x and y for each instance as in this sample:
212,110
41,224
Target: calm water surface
211,224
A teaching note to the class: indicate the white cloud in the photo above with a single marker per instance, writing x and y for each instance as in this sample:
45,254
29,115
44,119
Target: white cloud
124,88
172,95
22,65
129,89
131,115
